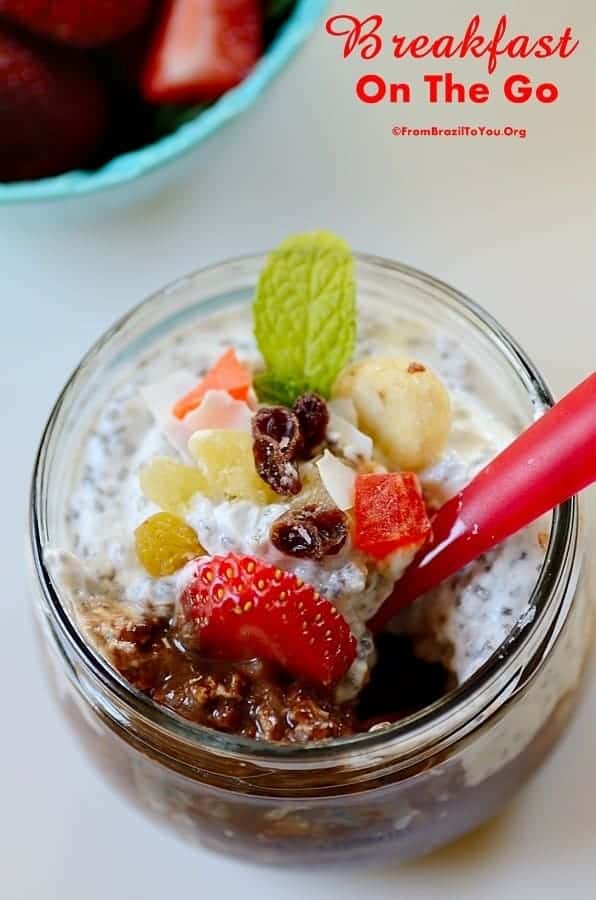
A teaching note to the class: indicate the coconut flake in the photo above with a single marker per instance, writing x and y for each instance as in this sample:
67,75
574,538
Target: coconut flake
160,397
216,410
219,410
353,443
338,480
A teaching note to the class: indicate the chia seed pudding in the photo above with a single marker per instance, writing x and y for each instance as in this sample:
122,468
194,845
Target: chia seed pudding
386,747
445,637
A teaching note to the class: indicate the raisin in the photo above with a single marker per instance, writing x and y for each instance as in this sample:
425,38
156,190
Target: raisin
274,467
277,441
333,529
310,532
295,535
313,416
282,426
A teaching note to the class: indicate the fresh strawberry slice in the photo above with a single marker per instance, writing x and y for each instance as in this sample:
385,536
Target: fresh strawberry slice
52,109
245,608
79,23
202,48
389,513
228,374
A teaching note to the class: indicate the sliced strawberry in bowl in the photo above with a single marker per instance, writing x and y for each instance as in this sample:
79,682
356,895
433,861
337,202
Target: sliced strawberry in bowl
242,608
53,109
202,48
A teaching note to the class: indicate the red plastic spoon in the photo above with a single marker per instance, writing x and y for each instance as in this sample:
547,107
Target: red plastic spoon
550,462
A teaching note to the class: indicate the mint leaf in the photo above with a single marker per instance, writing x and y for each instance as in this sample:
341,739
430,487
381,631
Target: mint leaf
278,392
305,314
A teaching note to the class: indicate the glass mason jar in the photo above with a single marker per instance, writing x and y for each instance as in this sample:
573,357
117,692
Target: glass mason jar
388,794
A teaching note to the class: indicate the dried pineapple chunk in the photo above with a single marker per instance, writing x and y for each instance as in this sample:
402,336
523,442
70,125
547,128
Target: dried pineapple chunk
165,543
170,484
402,405
225,460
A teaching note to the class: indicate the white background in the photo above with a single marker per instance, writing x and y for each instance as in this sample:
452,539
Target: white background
510,222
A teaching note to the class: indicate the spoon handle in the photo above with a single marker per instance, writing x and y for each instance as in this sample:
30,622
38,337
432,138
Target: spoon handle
547,464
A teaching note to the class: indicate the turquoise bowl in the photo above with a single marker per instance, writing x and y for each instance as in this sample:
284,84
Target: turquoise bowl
129,166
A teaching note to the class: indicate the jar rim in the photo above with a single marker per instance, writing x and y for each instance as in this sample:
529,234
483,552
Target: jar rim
412,729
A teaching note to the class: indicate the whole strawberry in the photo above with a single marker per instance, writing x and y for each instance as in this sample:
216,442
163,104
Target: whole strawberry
79,23
52,110
242,607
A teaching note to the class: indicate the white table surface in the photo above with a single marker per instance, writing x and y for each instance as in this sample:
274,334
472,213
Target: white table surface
511,222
